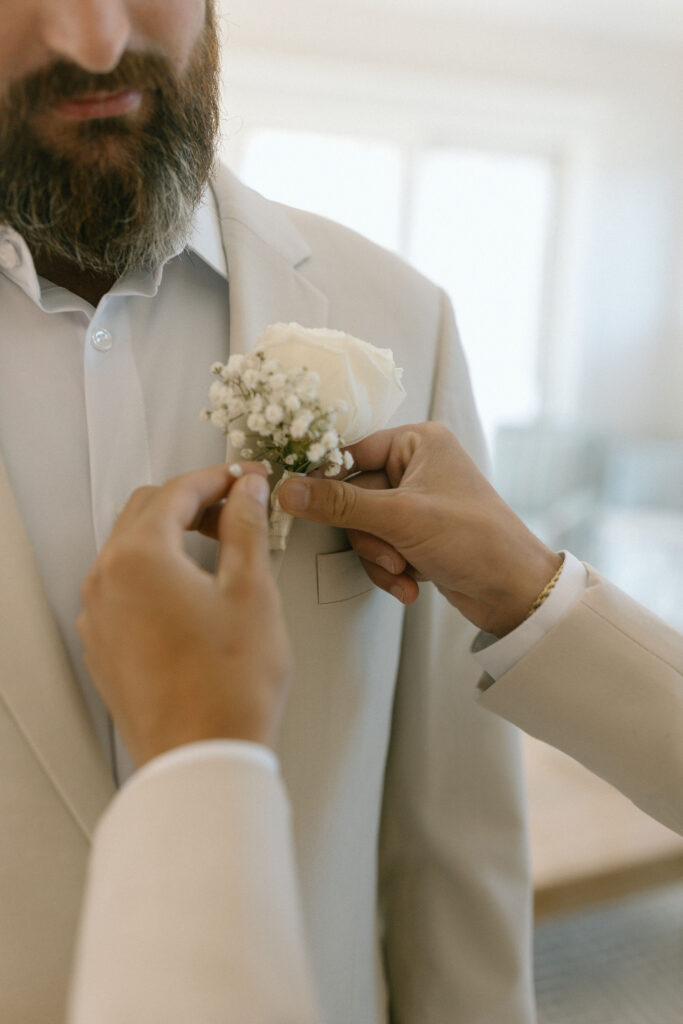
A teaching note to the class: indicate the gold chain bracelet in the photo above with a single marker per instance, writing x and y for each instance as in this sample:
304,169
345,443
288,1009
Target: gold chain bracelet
545,592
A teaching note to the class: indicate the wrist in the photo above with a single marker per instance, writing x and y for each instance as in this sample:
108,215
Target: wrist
524,589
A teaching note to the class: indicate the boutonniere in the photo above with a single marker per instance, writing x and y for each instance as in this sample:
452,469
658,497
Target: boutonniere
299,399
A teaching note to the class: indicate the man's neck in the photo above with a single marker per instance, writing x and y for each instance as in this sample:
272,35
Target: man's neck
88,285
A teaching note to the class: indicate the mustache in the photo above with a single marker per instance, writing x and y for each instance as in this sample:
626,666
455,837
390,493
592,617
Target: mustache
64,81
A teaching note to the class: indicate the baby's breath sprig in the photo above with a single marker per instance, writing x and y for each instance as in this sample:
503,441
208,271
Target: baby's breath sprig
274,415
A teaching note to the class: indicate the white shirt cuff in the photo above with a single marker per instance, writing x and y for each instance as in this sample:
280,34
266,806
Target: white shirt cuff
497,657
229,750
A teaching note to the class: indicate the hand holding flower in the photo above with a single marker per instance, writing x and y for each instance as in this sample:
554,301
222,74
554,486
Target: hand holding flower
299,398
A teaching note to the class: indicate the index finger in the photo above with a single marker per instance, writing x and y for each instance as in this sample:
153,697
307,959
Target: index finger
173,508
372,452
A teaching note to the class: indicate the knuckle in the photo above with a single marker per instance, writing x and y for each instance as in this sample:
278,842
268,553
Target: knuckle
118,561
141,494
250,519
342,500
438,432
89,584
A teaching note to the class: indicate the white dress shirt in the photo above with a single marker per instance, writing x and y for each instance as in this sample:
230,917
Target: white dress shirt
97,402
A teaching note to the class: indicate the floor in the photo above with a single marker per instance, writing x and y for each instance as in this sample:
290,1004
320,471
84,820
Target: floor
609,900
619,963
588,841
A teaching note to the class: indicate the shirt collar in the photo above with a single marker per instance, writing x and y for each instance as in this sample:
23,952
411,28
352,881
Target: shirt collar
205,238
205,241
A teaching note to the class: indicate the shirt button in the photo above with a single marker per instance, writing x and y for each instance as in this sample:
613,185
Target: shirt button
101,340
10,257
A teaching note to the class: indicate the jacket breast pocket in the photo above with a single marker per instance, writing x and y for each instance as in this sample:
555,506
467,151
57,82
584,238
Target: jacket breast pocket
341,577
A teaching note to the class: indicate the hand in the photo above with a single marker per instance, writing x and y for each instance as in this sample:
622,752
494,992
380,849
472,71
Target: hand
422,510
178,654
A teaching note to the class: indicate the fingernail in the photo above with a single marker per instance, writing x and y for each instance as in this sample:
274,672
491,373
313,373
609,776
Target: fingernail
236,470
386,562
397,592
257,487
296,495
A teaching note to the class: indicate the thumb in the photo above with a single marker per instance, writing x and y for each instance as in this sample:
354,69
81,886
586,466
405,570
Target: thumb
243,528
338,504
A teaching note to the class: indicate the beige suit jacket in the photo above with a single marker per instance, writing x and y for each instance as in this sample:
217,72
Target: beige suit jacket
192,911
406,797
606,686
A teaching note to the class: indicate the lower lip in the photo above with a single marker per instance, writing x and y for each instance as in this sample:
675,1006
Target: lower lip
91,107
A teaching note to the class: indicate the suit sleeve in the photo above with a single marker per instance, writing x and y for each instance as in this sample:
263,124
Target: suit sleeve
455,878
191,910
605,685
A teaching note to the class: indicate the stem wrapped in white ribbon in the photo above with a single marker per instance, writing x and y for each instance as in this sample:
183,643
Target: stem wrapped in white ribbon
280,521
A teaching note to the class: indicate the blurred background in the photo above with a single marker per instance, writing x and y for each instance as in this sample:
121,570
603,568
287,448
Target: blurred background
528,156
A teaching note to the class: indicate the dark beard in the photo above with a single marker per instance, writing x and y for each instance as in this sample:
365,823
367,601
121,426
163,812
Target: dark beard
125,198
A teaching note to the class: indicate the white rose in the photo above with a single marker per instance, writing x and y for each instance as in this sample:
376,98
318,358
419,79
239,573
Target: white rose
350,370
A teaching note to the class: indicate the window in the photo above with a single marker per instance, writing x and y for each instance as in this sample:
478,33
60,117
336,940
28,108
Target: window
476,222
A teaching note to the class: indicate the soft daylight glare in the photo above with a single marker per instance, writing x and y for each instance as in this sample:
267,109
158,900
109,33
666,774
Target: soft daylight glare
480,228
354,181
477,223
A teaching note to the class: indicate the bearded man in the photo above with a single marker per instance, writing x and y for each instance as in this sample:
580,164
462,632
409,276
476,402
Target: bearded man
129,264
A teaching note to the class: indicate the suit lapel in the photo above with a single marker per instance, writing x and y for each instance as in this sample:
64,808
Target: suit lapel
264,252
37,688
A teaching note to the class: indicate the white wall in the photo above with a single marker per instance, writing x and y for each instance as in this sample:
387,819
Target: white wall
607,103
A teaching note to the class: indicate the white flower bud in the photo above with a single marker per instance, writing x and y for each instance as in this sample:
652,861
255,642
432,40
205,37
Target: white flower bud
330,439
219,418
307,387
237,438
251,378
301,424
235,364
236,406
218,392
348,460
292,403
316,452
332,471
247,453
274,413
256,422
